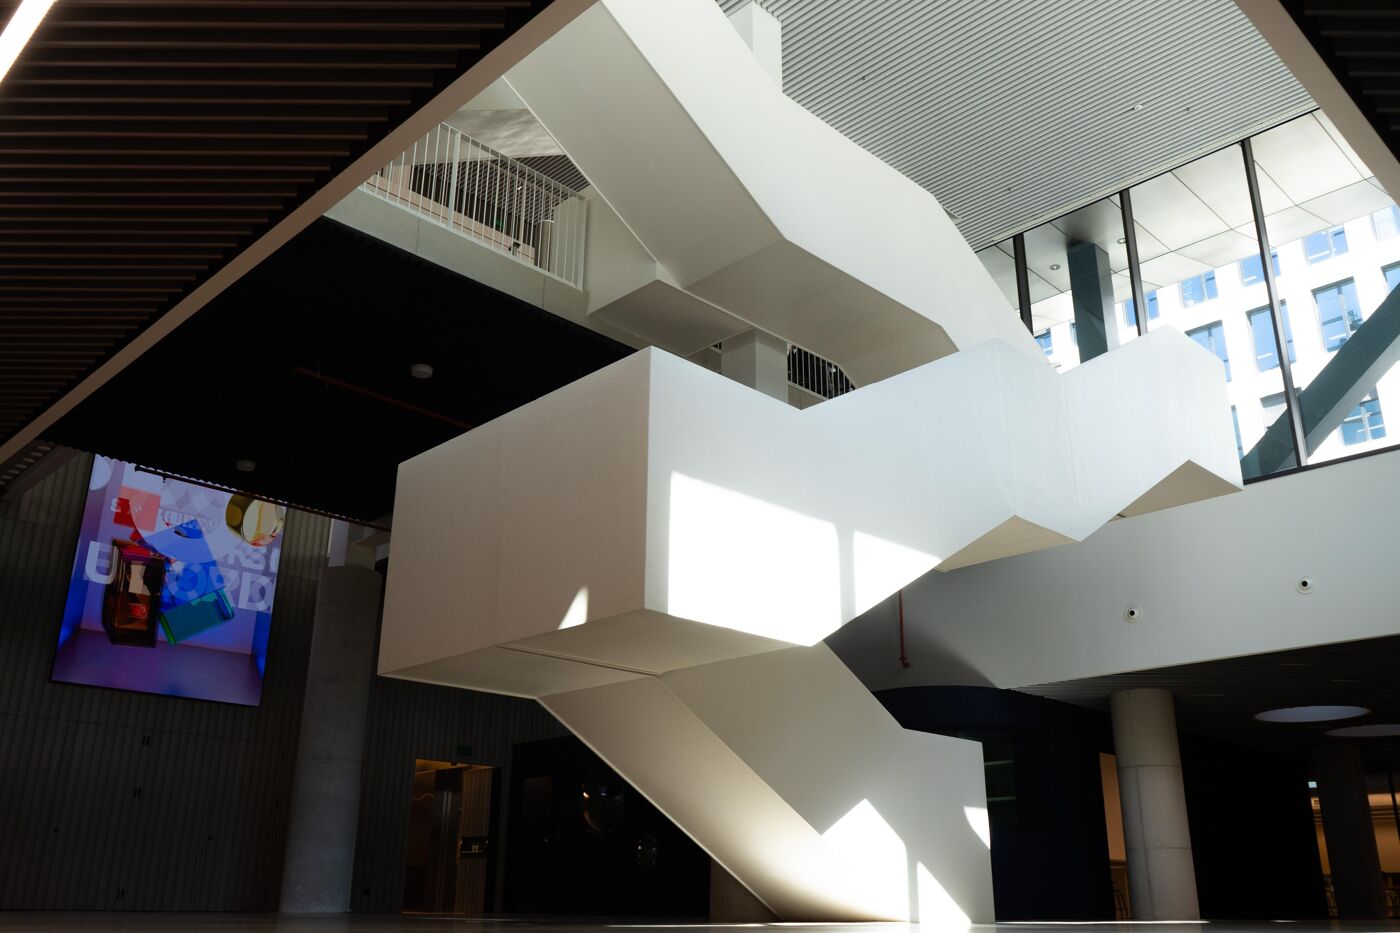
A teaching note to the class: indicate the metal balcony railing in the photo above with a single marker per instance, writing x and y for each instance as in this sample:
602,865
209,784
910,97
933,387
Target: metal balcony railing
466,186
821,377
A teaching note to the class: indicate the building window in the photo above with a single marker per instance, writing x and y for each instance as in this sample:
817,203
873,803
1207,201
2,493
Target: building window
1392,275
1239,442
1261,325
1365,423
1325,244
1386,223
1074,333
1338,312
1130,310
1212,337
1198,289
1252,269
1046,343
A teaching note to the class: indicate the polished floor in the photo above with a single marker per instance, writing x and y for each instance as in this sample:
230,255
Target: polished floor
355,923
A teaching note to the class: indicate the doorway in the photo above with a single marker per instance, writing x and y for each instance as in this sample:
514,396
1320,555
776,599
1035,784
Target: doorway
452,825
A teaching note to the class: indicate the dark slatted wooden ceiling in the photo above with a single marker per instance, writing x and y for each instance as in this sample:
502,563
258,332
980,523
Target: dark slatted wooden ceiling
1360,42
145,142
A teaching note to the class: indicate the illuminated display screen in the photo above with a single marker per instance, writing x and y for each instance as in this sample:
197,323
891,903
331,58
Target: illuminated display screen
172,588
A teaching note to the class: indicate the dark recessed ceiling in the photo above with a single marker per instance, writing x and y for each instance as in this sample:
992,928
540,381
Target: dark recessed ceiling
1219,698
1358,40
145,142
303,367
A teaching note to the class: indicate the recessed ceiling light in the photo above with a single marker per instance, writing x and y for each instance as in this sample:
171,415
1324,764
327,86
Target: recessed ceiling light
421,371
1374,730
21,26
1054,267
245,466
1311,713
1122,240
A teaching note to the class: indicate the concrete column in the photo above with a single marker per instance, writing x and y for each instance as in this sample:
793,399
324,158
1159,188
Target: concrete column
317,871
1350,833
1161,873
1091,287
758,360
762,32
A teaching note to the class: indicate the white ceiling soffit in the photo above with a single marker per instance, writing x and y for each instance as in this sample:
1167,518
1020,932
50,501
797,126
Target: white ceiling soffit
1015,112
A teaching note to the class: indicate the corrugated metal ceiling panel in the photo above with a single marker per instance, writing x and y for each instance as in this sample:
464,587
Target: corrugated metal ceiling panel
1016,112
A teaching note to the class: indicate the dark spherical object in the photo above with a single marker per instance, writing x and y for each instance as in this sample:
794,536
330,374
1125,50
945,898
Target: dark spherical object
604,802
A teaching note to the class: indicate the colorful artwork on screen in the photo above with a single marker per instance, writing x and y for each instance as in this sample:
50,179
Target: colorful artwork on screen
172,588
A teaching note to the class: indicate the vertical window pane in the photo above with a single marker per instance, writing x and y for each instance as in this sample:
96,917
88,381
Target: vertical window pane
1334,229
1212,337
1365,423
1261,325
1392,276
1251,270
1199,255
1338,312
1325,244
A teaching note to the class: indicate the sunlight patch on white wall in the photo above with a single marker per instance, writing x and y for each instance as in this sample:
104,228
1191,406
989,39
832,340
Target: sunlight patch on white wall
980,823
875,862
936,905
881,567
751,566
578,610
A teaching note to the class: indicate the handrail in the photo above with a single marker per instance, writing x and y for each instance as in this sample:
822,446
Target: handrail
471,189
821,377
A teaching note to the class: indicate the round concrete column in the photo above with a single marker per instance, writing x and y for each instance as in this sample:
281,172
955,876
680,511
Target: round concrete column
318,869
1357,882
1161,873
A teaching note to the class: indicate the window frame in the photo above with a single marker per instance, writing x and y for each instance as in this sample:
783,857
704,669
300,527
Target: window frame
1266,314
1340,285
1223,352
1332,234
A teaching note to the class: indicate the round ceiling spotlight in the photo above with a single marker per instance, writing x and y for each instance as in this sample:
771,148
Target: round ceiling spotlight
245,466
1122,240
1374,730
1054,267
1311,713
421,371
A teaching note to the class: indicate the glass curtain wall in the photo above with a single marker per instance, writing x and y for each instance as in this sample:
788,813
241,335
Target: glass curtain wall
1337,237
1078,259
1334,238
1202,274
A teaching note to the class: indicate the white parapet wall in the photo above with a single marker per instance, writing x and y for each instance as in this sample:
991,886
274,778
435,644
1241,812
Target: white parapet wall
1210,580
655,516
656,553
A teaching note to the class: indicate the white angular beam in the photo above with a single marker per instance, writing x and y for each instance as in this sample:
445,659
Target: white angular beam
787,771
750,202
